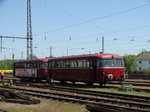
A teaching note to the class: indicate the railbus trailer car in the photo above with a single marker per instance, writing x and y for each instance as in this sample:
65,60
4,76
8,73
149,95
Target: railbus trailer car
99,68
31,69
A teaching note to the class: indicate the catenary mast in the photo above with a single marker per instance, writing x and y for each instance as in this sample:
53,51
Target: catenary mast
29,31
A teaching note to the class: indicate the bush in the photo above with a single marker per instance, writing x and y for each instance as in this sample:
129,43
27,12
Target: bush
6,64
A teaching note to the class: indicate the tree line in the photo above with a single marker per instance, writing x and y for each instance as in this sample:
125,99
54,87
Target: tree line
6,64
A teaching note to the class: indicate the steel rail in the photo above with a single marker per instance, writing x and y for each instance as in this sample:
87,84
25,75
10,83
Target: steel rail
120,96
82,97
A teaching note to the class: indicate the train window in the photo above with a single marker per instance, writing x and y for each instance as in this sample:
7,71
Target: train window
79,63
67,64
118,62
51,64
34,65
27,65
90,63
84,65
87,63
61,64
110,63
100,63
55,65
38,65
76,63
22,65
73,63
106,63
44,65
64,64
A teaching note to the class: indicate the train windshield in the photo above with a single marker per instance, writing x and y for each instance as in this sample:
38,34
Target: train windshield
110,63
44,65
118,62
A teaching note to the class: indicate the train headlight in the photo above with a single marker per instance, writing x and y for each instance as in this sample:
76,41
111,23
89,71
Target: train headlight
125,75
110,76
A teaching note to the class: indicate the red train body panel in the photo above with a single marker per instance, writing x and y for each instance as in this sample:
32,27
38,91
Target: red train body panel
99,68
33,69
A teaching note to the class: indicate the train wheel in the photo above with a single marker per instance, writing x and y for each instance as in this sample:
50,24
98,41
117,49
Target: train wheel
73,82
29,79
101,84
89,83
48,79
23,79
63,82
38,80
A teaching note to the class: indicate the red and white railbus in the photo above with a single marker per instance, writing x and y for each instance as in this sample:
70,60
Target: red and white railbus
31,69
99,68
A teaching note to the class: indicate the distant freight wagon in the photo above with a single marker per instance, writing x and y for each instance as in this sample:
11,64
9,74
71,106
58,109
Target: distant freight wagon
100,68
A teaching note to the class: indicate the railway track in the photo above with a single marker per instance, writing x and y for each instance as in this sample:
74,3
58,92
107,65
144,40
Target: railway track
145,84
136,103
142,85
137,81
77,85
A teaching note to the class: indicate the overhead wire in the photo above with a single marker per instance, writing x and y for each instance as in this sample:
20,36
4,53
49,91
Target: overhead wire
70,13
98,35
112,31
94,19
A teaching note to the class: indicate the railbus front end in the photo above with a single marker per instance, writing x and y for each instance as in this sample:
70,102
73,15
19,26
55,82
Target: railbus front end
110,69
99,68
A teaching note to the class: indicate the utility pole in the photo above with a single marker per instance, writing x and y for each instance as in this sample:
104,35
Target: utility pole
67,50
29,31
50,51
1,44
102,44
13,56
21,54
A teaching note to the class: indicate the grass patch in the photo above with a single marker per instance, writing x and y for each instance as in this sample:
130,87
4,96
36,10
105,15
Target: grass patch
45,106
113,90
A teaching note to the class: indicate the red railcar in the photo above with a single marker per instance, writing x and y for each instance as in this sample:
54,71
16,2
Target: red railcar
31,69
99,68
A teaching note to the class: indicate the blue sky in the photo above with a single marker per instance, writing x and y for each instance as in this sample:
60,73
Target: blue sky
76,25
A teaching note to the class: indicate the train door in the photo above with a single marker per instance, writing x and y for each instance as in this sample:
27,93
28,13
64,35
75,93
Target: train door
92,64
43,70
49,77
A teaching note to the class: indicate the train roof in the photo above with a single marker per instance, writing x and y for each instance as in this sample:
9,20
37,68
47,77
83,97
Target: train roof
101,55
32,60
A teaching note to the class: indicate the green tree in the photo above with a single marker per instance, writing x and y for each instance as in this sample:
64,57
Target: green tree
3,66
51,57
130,63
34,57
6,64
